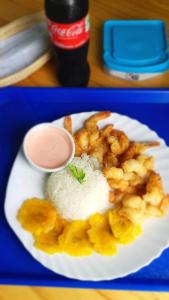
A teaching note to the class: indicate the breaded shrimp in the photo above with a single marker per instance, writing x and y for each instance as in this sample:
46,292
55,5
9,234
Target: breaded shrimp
147,161
120,185
99,151
106,131
133,165
91,123
68,124
154,189
118,141
110,160
137,148
114,173
81,138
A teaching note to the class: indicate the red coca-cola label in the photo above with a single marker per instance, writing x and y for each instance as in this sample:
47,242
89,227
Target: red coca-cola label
70,36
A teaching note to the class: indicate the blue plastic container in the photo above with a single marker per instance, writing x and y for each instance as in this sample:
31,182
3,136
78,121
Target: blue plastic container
135,50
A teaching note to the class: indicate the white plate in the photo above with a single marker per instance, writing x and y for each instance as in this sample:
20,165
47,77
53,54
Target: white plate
25,182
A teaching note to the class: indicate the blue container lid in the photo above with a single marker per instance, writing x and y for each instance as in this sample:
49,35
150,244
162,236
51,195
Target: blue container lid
139,46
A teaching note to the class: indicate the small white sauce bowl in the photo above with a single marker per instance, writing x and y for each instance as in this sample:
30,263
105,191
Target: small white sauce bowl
39,127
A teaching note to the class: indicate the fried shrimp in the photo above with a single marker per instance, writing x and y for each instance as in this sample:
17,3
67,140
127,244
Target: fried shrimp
154,189
137,148
113,172
68,124
106,131
134,201
133,165
110,160
91,123
112,197
134,187
118,142
99,151
93,138
164,203
81,138
120,185
146,161
152,211
133,208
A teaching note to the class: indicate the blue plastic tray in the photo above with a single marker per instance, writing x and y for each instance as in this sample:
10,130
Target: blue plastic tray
21,108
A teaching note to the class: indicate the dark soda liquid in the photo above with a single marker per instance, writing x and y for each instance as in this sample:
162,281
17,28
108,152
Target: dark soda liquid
73,68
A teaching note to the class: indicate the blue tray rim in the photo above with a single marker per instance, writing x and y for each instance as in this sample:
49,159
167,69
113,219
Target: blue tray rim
131,91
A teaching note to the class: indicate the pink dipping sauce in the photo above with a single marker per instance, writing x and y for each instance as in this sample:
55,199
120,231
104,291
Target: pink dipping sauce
49,147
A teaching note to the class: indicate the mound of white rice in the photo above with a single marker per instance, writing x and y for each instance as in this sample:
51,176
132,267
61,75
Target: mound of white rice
75,201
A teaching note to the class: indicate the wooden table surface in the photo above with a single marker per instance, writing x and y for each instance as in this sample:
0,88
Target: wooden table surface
100,10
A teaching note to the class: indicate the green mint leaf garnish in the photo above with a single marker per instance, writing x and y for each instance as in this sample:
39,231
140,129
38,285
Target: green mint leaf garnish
79,174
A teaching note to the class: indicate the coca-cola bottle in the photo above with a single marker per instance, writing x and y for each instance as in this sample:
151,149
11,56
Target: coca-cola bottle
69,28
